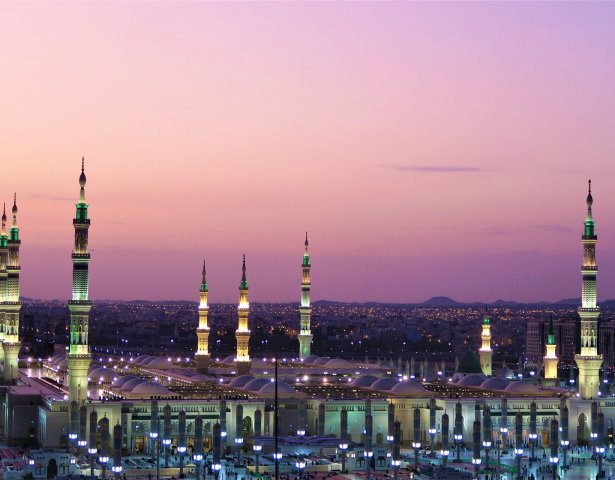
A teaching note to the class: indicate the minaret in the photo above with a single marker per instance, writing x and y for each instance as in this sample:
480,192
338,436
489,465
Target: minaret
485,349
550,359
12,306
79,305
589,361
305,334
202,332
4,260
243,333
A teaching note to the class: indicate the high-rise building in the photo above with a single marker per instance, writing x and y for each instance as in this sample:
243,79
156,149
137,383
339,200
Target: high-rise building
243,332
566,339
79,305
202,332
305,310
485,351
4,260
12,304
550,358
606,342
588,360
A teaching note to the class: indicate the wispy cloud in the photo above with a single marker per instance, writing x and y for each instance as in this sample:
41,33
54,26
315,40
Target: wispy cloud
557,228
497,231
49,196
434,169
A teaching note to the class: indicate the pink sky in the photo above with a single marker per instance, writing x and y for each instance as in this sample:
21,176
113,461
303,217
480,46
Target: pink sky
214,129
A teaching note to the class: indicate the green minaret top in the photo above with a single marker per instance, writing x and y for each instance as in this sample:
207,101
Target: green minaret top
243,285
82,207
551,336
14,233
306,255
204,280
3,236
589,220
486,319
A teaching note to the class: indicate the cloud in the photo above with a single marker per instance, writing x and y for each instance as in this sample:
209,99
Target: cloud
434,169
557,228
49,196
497,231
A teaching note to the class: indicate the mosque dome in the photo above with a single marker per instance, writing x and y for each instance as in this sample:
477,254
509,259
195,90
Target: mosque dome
63,364
522,388
283,388
159,363
386,383
338,363
229,359
141,359
241,381
256,384
130,384
495,383
469,363
98,373
473,380
311,359
506,372
322,361
149,388
407,388
122,380
364,381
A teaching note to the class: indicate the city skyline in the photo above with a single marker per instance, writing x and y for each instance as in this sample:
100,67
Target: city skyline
418,157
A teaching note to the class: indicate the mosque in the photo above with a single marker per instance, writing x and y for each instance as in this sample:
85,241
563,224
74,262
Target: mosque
204,403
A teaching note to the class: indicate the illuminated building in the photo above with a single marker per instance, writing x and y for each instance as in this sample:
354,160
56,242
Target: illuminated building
79,305
12,304
588,360
4,260
485,352
550,359
202,332
305,334
243,333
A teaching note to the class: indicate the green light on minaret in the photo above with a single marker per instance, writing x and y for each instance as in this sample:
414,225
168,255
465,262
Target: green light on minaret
551,335
204,279
306,255
243,285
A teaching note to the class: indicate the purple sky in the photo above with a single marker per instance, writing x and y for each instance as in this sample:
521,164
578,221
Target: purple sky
429,148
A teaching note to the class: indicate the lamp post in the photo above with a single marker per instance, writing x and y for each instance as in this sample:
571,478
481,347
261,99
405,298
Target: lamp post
104,446
487,434
503,430
166,438
518,442
532,435
257,451
238,440
92,447
216,460
343,436
593,435
368,453
300,465
458,434
181,441
396,461
83,420
343,447
564,429
553,460
444,452
600,448
198,446
74,426
416,443
476,446
432,422
117,451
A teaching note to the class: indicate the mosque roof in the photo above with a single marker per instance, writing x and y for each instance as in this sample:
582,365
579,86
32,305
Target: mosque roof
404,388
149,388
386,383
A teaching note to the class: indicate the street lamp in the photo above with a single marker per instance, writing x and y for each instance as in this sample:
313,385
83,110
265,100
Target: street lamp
239,443
257,451
300,433
458,438
300,466
416,446
476,463
343,447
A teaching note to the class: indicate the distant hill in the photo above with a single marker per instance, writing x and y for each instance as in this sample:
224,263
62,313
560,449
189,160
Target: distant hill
441,302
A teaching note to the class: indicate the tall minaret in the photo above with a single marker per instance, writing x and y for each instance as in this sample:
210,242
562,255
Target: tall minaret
202,332
243,333
12,305
550,359
305,334
4,260
79,305
589,361
485,349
